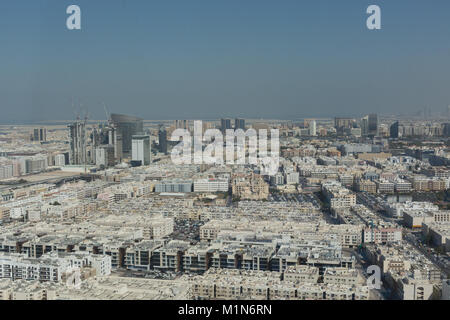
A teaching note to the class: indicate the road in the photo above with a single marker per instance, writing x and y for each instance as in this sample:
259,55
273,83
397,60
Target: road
362,266
413,241
408,236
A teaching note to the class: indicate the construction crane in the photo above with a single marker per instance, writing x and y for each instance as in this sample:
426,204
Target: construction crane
85,119
106,111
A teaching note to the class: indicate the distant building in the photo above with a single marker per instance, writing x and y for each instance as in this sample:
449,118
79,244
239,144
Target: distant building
182,124
126,127
105,156
174,186
394,130
60,160
40,134
343,124
211,185
252,187
312,128
141,149
162,138
78,142
373,125
225,124
446,129
369,125
239,124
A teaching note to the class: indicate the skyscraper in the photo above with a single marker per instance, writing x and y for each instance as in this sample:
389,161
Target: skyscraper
126,127
40,134
141,150
343,124
369,125
239,124
224,125
312,128
373,125
77,136
162,138
446,129
182,124
394,130
105,155
365,126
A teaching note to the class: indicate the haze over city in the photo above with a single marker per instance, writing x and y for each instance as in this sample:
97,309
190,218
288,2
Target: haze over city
209,59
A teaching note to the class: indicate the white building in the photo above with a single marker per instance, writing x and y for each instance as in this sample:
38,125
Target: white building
292,178
141,149
211,185
104,156
312,128
60,160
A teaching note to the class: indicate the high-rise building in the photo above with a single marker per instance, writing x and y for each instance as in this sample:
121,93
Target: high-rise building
162,138
77,136
365,126
394,130
40,134
182,124
239,124
446,129
312,128
126,127
373,125
343,124
104,155
224,125
141,150
369,125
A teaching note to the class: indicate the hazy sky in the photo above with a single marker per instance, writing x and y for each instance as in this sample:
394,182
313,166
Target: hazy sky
199,59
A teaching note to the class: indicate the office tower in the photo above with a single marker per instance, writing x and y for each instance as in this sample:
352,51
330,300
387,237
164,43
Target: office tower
118,154
343,125
36,135
40,134
182,124
446,129
365,126
104,156
239,124
373,125
343,122
224,125
125,127
394,130
369,125
141,150
162,138
312,128
77,136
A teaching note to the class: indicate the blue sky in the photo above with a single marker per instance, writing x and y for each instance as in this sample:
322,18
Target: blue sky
206,59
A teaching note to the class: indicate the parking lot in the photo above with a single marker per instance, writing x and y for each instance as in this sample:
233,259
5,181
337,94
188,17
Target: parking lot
295,198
